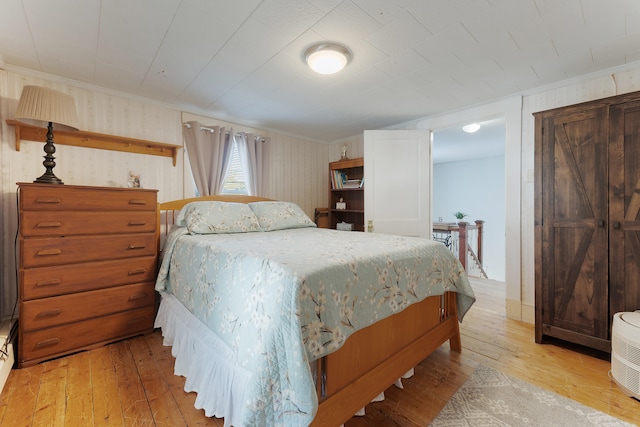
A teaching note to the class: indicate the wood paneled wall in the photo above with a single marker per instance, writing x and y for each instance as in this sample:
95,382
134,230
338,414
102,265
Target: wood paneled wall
298,170
100,112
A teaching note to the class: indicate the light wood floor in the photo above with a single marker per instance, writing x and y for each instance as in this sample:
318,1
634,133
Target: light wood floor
130,383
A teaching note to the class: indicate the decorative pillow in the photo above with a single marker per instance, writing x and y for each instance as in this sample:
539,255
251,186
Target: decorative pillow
210,217
280,215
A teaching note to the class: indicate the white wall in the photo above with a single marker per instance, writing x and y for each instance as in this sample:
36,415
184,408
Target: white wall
519,165
475,187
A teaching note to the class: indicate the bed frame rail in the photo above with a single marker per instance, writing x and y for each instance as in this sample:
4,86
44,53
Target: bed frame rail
373,358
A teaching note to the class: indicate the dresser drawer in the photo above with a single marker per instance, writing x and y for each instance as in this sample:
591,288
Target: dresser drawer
63,223
53,311
38,251
68,197
36,346
58,280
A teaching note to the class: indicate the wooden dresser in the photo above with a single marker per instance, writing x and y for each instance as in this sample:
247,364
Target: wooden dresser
87,267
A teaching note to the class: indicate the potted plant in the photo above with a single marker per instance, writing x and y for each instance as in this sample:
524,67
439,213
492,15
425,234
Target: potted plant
460,215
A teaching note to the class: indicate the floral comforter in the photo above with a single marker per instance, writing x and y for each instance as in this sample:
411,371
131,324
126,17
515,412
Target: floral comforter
277,300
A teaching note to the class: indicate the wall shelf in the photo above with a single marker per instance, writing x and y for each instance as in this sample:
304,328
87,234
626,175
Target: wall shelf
101,141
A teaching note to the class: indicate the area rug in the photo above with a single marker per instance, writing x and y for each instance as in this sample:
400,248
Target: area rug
492,398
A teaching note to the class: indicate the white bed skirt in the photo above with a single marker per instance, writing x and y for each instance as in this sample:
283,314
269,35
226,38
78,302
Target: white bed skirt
204,360
208,364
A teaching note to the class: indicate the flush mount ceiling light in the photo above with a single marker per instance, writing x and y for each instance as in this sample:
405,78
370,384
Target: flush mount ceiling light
473,127
327,58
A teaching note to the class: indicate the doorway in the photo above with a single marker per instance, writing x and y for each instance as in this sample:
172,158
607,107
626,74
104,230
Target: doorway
468,170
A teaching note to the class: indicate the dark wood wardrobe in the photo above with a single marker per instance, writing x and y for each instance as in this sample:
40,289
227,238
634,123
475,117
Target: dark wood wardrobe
587,218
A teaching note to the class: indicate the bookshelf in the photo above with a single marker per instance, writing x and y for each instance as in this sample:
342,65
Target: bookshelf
346,183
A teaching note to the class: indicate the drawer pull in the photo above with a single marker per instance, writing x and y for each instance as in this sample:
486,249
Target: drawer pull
49,313
48,343
44,283
48,200
137,202
47,252
137,271
134,246
137,296
49,224
137,222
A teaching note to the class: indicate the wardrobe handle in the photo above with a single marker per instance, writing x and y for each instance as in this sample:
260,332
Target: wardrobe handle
601,223
616,225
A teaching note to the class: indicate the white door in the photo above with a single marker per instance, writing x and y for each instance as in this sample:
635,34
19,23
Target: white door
397,188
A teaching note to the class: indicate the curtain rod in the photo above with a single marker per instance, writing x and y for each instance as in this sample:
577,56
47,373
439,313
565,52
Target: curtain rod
188,126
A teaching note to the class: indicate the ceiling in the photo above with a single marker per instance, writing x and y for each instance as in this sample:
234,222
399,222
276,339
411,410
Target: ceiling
454,144
241,61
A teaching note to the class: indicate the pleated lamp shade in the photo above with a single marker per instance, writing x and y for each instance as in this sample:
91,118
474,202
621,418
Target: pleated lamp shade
50,106
47,105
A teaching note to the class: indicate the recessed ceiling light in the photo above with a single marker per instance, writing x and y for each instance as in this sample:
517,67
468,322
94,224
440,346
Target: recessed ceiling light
327,58
473,127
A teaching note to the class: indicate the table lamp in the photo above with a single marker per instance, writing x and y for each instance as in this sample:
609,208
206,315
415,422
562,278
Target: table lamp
50,106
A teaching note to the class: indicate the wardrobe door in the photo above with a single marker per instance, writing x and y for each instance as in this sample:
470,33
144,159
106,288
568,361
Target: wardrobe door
624,207
572,287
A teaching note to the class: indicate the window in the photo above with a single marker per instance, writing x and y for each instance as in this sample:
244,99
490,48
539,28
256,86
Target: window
234,180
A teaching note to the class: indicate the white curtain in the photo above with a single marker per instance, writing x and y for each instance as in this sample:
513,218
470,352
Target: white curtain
209,149
252,151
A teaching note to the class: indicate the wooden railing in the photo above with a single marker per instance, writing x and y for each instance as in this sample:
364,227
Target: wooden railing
465,239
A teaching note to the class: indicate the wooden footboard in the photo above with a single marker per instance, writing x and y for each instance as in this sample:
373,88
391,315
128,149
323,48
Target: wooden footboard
373,358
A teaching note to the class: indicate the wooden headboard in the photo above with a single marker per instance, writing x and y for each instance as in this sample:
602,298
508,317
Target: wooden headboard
176,205
167,211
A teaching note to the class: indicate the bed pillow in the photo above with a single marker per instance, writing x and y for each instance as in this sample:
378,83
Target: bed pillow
280,215
210,217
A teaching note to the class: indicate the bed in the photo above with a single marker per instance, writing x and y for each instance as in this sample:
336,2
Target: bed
275,322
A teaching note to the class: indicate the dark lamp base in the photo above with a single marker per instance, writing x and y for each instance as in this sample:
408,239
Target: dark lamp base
49,161
48,179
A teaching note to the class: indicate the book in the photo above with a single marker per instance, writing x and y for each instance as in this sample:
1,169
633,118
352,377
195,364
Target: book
351,183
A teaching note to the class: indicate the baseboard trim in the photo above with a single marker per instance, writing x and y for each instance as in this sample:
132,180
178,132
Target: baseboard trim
513,309
6,361
516,310
528,313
